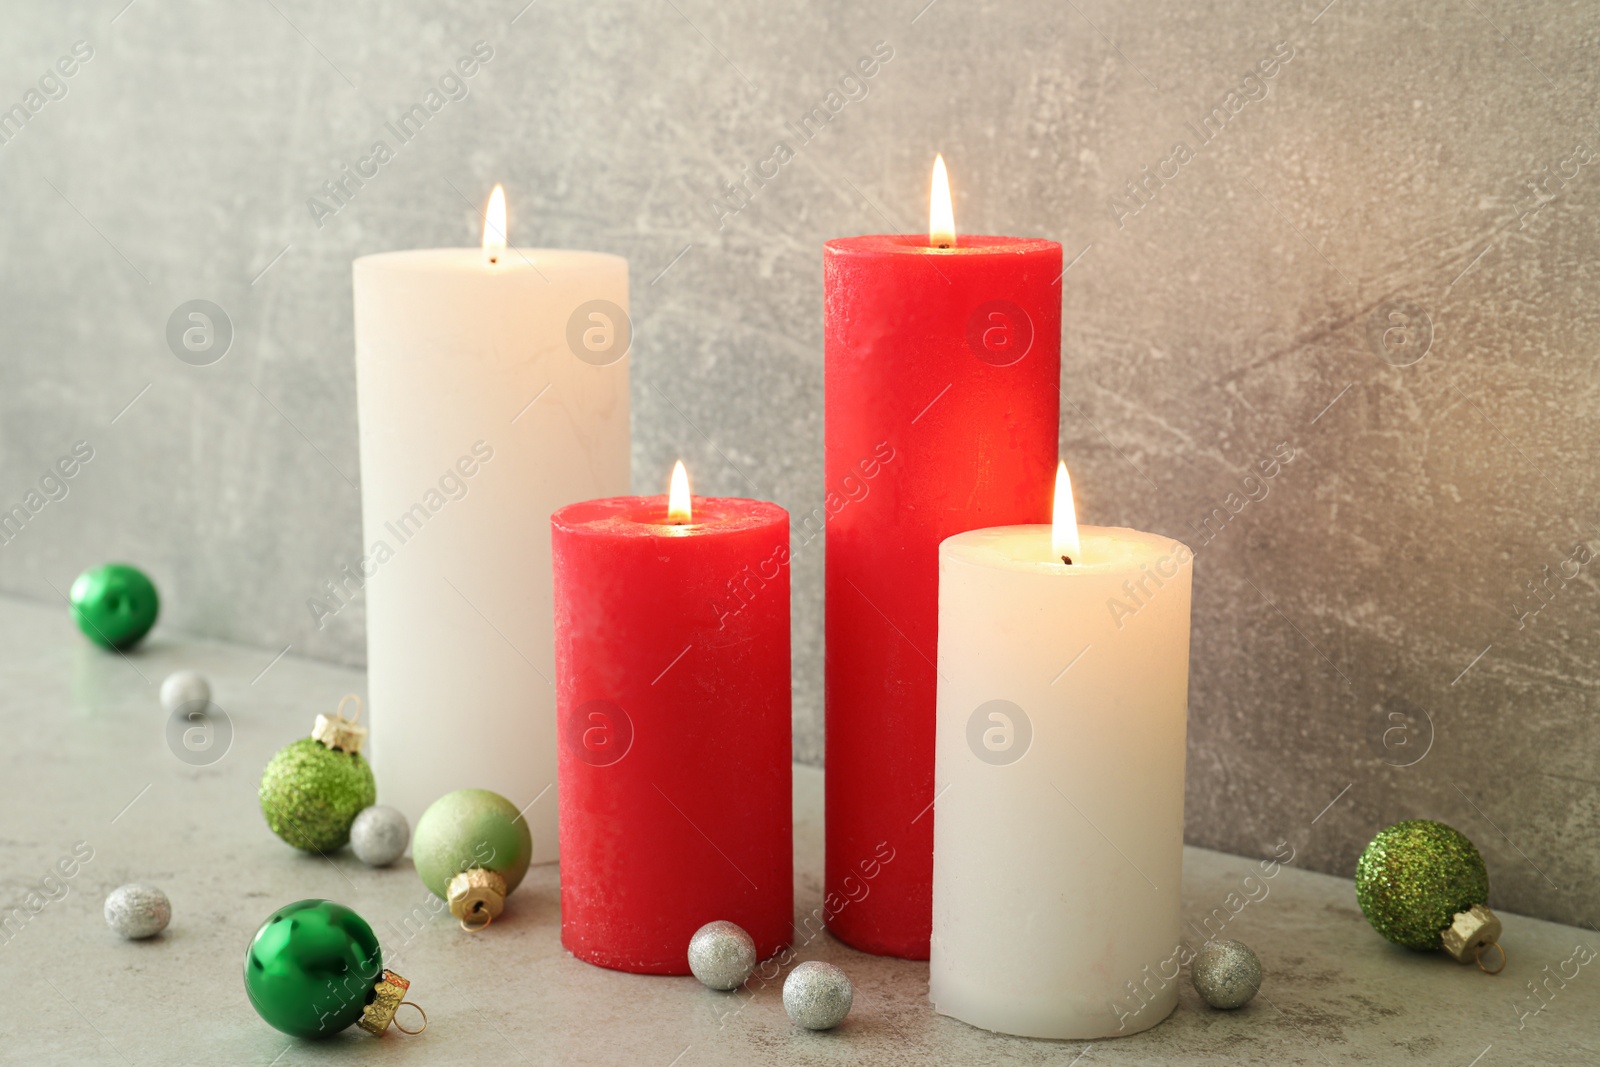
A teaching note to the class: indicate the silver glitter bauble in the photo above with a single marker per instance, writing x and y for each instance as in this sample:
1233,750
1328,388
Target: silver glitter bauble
136,910
379,835
184,687
817,995
1226,974
722,955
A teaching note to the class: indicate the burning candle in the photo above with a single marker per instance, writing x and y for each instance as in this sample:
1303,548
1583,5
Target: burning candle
1058,837
942,379
672,680
492,386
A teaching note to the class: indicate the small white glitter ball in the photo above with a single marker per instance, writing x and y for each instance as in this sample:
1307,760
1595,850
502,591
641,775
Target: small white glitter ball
1226,974
183,687
136,910
379,835
817,995
722,955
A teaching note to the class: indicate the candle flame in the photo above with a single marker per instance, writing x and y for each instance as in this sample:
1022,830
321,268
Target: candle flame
678,509
941,216
494,226
1064,529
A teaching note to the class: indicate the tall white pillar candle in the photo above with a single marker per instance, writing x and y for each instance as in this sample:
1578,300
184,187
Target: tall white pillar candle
1059,759
490,394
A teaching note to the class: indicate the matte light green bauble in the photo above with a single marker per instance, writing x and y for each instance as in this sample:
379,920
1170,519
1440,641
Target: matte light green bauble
1415,877
471,848
114,605
313,789
312,967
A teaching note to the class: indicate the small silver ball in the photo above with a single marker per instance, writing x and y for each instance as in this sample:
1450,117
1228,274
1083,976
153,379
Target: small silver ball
379,835
817,995
137,910
722,955
183,687
1226,974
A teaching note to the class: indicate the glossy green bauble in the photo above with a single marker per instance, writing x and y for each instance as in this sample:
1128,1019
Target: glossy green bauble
1413,878
311,968
311,794
114,605
466,829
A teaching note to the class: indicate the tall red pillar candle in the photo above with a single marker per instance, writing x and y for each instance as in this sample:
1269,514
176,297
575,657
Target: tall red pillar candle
942,381
672,704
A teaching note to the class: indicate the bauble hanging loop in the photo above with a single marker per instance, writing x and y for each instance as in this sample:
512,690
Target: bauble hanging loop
1477,957
418,1030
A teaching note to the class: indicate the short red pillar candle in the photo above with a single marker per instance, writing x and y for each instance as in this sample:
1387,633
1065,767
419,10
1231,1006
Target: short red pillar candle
942,382
672,703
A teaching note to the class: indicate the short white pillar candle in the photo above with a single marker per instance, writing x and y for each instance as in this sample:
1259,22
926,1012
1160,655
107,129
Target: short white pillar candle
1058,824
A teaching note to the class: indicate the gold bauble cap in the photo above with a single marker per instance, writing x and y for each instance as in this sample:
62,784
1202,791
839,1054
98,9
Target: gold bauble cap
477,896
339,732
387,996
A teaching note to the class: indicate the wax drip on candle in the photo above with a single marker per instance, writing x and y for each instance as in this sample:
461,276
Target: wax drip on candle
1064,527
678,507
941,216
494,226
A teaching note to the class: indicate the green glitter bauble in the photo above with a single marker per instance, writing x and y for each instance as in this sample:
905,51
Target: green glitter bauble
114,605
311,968
311,794
466,829
1413,878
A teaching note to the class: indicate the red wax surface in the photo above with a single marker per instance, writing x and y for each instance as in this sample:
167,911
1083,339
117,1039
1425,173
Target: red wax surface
672,706
942,384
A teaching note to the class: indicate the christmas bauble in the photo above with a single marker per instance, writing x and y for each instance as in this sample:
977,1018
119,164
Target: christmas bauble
817,995
471,848
313,789
137,910
182,688
722,955
379,835
311,967
311,794
1226,974
1414,878
114,605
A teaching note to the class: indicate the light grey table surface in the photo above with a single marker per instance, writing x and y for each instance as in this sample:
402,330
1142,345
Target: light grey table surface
88,761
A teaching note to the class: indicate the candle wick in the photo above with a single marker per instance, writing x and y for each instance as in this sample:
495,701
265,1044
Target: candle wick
1067,560
942,245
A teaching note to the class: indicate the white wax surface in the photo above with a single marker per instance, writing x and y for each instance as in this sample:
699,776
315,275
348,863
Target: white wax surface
1056,874
460,650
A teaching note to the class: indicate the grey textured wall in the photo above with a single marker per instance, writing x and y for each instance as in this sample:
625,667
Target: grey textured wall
1368,206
